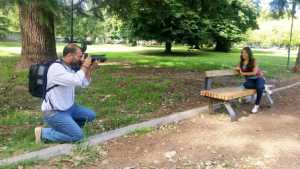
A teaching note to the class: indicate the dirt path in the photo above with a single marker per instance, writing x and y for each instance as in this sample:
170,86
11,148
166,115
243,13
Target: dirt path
269,139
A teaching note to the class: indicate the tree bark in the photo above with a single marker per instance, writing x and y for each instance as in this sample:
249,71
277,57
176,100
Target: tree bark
38,40
168,48
296,68
134,43
197,46
223,46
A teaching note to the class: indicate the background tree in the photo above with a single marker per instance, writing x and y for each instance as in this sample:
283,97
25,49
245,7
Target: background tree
168,21
231,23
12,13
4,23
287,8
37,30
268,35
85,22
190,21
180,25
37,25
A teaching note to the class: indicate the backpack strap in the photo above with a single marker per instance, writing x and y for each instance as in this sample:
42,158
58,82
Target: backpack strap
50,88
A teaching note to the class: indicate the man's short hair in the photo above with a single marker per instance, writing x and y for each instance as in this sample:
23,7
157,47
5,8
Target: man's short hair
70,48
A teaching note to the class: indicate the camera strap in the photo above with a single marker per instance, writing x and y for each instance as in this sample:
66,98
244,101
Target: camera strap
75,68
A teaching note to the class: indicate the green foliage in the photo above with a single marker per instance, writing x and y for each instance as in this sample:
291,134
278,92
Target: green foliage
281,8
12,13
86,21
268,34
232,22
141,130
4,23
190,22
180,24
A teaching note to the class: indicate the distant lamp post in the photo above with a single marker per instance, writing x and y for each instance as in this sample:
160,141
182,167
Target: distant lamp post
279,32
71,36
269,39
293,13
269,34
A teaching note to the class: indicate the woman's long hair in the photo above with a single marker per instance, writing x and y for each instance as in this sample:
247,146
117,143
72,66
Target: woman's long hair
250,64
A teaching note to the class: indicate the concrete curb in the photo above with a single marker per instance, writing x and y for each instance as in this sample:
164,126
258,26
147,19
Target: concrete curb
285,87
64,148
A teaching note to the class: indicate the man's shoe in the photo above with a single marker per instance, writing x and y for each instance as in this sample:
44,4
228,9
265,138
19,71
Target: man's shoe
38,134
255,109
268,90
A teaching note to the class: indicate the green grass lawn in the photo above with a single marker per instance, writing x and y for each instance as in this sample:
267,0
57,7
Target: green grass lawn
115,106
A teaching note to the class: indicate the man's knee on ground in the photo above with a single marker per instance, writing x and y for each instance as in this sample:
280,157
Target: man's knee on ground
77,137
92,116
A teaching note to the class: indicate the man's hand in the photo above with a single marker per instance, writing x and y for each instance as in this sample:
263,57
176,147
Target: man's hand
87,61
95,64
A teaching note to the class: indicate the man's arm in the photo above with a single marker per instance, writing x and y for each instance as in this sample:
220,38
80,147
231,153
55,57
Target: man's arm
89,70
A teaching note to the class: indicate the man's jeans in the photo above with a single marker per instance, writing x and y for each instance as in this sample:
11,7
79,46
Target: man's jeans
66,125
259,85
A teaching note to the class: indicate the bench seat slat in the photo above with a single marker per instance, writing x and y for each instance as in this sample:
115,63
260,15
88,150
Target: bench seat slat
228,93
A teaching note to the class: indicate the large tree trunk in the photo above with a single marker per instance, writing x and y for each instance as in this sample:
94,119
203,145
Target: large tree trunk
197,46
134,43
38,41
168,48
296,68
223,46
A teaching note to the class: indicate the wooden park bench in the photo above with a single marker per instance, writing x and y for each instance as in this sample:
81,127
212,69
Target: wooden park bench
225,94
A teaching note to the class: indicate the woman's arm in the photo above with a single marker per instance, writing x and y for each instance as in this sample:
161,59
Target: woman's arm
238,67
253,71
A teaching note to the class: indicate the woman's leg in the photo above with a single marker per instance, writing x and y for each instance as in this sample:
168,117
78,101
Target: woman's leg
250,84
260,84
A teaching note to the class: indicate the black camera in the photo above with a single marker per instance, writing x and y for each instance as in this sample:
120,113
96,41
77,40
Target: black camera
102,57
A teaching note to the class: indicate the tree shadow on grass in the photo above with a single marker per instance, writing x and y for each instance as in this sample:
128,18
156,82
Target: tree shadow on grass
172,54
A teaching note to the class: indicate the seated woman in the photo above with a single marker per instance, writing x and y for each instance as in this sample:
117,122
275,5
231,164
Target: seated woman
248,66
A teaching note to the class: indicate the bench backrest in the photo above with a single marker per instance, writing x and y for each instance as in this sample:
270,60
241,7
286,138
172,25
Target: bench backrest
215,73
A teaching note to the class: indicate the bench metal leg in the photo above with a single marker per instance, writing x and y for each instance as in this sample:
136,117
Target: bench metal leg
270,99
230,110
252,99
210,105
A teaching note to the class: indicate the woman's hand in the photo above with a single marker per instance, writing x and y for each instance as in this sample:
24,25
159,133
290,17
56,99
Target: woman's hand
241,72
237,68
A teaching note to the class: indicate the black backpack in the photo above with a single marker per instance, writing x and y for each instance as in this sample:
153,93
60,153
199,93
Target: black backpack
38,78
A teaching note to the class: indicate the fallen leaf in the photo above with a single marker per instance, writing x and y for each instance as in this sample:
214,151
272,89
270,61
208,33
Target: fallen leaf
267,156
207,163
105,162
170,154
3,148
